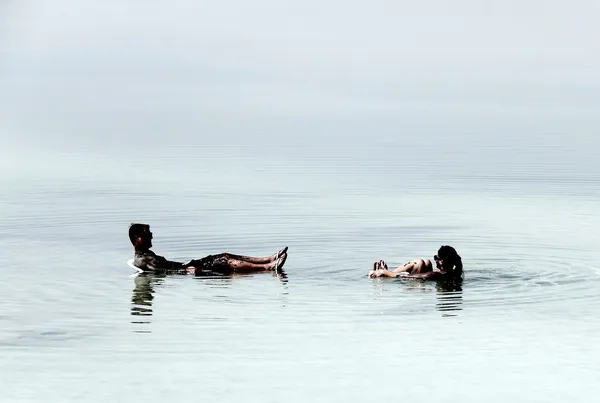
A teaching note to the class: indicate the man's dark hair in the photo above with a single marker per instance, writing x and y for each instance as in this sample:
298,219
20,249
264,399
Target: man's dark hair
135,231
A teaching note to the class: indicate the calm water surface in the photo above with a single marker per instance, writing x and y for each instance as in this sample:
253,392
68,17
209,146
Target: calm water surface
76,326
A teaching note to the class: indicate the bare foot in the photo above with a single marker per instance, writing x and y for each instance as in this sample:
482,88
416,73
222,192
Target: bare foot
376,272
278,263
380,269
279,254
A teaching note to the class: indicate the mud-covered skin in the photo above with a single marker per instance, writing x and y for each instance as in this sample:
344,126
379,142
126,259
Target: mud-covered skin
209,265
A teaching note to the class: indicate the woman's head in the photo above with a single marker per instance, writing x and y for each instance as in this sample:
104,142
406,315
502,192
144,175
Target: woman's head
448,260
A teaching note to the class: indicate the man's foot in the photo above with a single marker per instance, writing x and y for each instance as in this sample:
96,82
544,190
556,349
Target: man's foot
278,263
279,254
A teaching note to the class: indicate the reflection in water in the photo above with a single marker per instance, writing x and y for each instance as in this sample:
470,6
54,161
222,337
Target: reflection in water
143,294
144,289
449,297
449,294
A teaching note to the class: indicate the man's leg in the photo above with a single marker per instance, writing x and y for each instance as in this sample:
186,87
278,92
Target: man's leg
241,266
226,263
257,260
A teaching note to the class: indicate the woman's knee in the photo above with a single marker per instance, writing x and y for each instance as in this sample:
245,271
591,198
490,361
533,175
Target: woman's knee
419,264
423,265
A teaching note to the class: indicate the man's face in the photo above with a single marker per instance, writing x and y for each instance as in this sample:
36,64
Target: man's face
146,237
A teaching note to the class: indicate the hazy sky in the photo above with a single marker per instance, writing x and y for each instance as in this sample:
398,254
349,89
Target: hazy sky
106,73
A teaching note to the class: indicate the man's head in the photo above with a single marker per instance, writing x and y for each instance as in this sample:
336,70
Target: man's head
140,236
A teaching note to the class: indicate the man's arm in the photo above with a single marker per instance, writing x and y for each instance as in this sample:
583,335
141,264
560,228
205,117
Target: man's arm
169,264
160,263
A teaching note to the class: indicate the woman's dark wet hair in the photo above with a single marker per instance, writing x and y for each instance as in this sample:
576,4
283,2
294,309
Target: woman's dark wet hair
136,231
448,254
